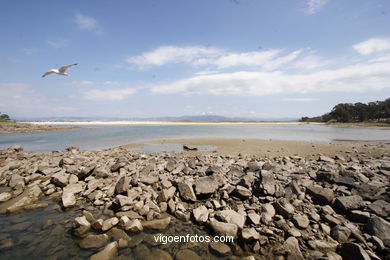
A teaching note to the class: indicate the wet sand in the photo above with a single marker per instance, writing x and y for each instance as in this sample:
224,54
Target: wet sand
273,148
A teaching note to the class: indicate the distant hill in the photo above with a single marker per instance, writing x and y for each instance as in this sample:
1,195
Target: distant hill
208,118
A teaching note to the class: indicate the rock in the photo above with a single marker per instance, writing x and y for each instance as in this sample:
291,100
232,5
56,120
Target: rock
124,200
186,254
157,224
230,216
134,226
291,245
267,183
324,158
16,181
81,226
242,192
60,179
219,249
68,198
201,214
94,241
85,171
109,223
353,251
158,254
321,195
149,180
222,229
108,253
118,234
253,166
186,191
122,185
15,148
5,196
301,221
267,213
183,216
284,208
378,227
98,224
66,161
167,194
189,148
206,185
322,245
380,208
73,149
359,216
254,218
250,234
340,233
28,196
349,202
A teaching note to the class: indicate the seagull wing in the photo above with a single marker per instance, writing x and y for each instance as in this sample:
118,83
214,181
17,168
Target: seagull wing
49,72
64,68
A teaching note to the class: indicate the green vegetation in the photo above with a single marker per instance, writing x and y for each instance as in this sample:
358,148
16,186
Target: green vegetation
4,117
373,113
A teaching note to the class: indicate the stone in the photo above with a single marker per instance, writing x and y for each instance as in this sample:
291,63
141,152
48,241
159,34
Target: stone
359,216
157,224
222,229
134,226
185,254
158,254
66,161
353,251
377,226
267,183
301,221
94,241
186,192
291,245
322,245
98,224
124,200
117,234
253,166
284,208
29,196
16,181
149,180
219,249
206,185
60,179
324,158
250,234
108,253
68,194
201,214
349,202
81,226
321,195
340,233
254,218
109,223
380,208
242,192
167,194
5,196
122,185
267,213
183,216
231,216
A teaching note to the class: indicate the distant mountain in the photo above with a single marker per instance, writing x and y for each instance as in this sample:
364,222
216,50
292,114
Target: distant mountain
208,118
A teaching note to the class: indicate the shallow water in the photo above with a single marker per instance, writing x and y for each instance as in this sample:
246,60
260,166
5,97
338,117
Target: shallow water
46,234
169,148
100,137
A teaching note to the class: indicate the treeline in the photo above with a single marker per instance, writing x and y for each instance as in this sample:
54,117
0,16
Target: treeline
358,112
4,117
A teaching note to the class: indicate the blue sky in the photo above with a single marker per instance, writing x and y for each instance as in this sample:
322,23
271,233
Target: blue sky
150,58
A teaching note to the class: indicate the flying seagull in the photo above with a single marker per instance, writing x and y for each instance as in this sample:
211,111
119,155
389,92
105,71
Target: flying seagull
60,71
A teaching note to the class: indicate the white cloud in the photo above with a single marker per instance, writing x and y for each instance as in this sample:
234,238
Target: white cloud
85,22
361,77
311,62
111,94
171,54
80,83
214,57
313,6
373,45
29,51
300,99
58,43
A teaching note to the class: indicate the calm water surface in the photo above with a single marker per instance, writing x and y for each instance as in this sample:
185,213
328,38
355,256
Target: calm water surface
110,136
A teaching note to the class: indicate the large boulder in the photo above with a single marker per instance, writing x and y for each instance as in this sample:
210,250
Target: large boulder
267,183
68,194
230,216
321,195
349,202
94,241
353,251
108,253
186,191
223,229
206,185
379,227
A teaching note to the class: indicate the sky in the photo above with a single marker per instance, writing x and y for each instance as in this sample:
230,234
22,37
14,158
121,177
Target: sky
153,58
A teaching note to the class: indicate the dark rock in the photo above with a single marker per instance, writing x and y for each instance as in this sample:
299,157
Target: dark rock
284,208
349,202
186,191
380,208
378,227
220,249
340,233
94,241
186,254
189,148
353,251
122,185
321,195
206,185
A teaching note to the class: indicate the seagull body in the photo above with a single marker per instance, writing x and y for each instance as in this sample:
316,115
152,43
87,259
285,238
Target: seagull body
60,71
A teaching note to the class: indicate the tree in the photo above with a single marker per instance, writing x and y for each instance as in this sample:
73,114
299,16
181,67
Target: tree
4,117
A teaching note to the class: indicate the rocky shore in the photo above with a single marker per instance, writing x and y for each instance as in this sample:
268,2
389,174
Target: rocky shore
286,207
10,128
